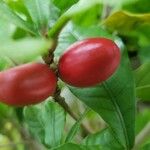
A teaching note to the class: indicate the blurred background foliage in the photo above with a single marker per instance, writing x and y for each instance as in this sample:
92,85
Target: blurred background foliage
128,21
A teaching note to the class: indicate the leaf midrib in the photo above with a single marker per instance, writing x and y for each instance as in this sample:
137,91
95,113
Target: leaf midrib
108,90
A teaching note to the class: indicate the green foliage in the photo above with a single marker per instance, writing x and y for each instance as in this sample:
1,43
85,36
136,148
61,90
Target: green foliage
46,122
114,100
64,5
142,118
5,29
39,12
142,78
5,111
137,6
123,21
30,28
24,50
146,147
8,14
75,127
81,7
78,147
144,53
104,138
111,96
72,33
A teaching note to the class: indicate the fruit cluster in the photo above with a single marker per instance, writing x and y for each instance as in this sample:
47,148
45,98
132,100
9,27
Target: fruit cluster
84,64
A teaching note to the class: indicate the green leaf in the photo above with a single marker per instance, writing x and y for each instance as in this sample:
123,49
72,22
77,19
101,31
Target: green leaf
115,3
72,33
104,138
144,53
114,100
5,111
24,50
142,118
142,79
46,122
18,7
137,6
90,17
64,5
78,147
75,127
8,14
81,7
123,22
39,11
5,63
19,34
146,147
5,30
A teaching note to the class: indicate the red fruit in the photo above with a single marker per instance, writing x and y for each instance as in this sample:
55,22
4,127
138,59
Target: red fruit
27,84
89,62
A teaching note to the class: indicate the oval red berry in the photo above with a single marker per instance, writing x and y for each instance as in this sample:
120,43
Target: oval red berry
27,84
89,62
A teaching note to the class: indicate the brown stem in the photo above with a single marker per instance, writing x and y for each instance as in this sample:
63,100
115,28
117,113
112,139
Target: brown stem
60,100
50,56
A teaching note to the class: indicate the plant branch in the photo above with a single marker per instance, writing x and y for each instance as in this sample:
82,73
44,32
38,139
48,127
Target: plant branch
62,102
62,21
49,58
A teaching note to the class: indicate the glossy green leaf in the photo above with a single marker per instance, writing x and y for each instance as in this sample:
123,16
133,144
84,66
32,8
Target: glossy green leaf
78,147
114,100
124,22
104,138
46,122
24,50
39,11
8,14
142,79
